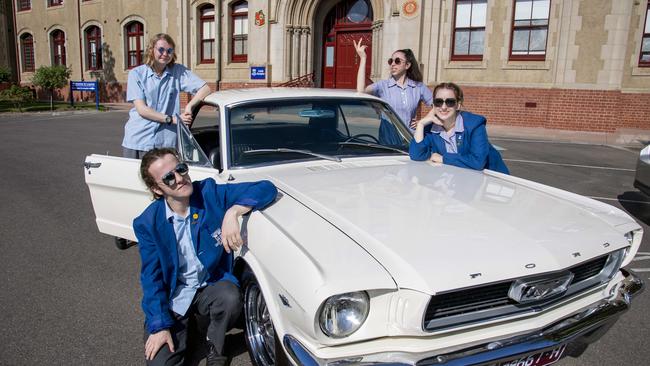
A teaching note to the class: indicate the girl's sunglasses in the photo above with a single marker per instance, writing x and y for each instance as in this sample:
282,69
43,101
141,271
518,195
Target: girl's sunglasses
450,102
396,60
169,179
162,50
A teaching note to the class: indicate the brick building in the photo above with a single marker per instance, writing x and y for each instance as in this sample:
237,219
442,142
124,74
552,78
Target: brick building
581,65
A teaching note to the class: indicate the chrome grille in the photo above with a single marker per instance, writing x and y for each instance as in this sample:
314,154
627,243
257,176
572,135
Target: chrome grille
587,270
479,303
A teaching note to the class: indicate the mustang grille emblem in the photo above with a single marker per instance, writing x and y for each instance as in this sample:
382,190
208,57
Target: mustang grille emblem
539,288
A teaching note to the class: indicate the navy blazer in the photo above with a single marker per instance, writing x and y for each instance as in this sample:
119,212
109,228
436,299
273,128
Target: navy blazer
159,248
474,149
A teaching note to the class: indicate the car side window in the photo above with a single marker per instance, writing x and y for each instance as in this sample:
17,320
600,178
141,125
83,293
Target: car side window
206,116
189,148
205,129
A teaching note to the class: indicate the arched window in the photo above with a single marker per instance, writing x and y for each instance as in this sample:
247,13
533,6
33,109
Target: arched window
239,38
27,51
134,44
57,40
206,25
93,48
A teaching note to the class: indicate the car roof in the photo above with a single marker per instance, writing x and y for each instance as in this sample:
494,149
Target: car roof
231,96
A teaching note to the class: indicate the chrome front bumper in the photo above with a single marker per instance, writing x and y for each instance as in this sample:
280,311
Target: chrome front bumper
576,331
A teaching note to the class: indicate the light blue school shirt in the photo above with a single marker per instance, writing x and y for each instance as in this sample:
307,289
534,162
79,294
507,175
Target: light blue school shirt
453,139
162,94
404,100
191,274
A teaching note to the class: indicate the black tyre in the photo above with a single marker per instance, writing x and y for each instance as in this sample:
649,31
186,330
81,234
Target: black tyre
264,347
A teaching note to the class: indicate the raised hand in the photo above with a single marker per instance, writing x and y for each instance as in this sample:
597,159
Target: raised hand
360,48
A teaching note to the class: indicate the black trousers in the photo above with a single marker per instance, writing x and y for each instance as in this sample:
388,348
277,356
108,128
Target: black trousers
221,303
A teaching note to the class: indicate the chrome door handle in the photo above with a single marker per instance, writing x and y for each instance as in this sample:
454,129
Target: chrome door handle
89,165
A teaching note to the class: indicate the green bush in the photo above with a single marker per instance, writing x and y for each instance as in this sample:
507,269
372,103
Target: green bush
17,96
50,78
5,74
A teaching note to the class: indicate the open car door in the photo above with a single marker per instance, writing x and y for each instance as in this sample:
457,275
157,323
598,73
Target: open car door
118,194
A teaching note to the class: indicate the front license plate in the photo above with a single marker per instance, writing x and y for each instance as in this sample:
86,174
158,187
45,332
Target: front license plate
538,359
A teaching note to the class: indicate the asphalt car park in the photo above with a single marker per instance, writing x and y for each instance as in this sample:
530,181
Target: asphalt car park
70,297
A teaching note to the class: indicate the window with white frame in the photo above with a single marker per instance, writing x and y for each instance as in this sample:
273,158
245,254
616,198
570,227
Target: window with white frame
206,26
468,40
529,30
239,39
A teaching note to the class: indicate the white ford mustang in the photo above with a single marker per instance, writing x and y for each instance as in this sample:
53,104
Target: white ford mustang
367,257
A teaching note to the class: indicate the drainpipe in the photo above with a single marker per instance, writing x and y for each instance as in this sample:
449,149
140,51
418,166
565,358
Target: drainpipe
16,41
81,50
218,57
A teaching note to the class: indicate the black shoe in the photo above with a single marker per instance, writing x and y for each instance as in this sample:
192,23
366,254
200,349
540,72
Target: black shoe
214,358
123,244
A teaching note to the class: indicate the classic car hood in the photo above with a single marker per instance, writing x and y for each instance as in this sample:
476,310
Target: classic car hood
436,228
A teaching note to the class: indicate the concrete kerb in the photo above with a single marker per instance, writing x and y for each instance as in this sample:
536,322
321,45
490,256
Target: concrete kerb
118,106
623,137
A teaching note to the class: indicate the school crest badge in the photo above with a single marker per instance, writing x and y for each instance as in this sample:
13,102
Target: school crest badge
259,18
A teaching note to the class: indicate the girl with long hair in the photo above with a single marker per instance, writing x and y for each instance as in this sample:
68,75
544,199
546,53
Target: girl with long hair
403,90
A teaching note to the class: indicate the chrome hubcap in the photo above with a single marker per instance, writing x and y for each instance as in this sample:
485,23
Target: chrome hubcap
259,327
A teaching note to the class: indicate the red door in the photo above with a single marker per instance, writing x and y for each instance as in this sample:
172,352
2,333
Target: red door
347,60
348,21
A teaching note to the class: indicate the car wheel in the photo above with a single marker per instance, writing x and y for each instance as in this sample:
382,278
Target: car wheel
262,342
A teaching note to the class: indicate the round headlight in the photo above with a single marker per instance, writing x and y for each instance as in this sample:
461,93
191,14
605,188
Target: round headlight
341,315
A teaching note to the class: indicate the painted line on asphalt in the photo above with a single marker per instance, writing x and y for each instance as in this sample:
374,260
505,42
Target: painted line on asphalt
570,165
618,200
640,256
499,148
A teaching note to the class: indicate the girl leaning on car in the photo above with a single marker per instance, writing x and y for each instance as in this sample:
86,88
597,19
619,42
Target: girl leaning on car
154,89
448,135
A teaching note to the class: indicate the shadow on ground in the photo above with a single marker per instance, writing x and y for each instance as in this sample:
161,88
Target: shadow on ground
636,204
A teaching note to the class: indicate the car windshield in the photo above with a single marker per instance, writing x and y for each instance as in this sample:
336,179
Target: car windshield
272,132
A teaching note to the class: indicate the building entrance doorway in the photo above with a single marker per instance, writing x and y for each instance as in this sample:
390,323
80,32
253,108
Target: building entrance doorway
347,21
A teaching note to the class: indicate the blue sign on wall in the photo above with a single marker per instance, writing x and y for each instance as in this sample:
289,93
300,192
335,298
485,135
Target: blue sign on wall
258,72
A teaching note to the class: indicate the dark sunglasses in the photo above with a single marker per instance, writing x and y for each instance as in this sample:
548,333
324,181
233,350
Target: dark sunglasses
169,179
450,102
396,60
161,50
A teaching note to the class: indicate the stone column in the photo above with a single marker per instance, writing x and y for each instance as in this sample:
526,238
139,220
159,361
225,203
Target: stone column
295,59
377,43
288,54
304,47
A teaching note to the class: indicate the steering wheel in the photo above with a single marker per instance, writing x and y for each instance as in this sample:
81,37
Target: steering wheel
358,137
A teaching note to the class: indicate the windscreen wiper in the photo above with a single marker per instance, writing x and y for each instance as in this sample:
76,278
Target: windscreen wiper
374,146
296,151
